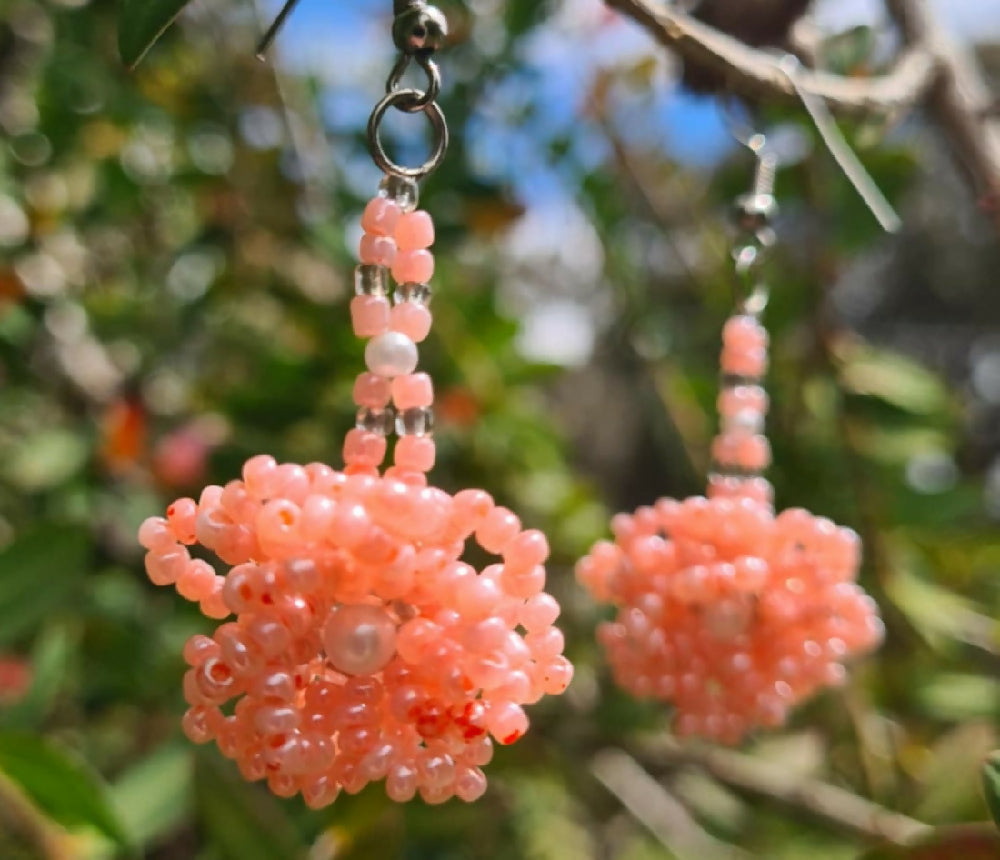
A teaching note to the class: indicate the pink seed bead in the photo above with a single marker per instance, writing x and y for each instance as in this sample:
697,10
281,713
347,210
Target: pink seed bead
198,649
165,568
750,452
411,319
371,390
214,606
471,507
524,584
476,597
470,784
377,250
538,613
744,334
363,449
412,267
412,390
487,635
507,722
155,534
259,474
499,528
359,639
317,515
369,315
415,231
558,676
528,549
749,363
546,644
381,217
415,453
181,516
351,525
210,497
196,581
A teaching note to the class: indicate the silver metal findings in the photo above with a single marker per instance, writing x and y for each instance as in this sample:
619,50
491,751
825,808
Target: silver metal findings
399,99
418,31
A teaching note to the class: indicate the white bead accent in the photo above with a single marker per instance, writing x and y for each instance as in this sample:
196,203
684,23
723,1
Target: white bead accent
391,354
359,639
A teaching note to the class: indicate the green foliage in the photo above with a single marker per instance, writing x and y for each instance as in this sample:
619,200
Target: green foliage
991,785
64,789
175,271
40,573
141,23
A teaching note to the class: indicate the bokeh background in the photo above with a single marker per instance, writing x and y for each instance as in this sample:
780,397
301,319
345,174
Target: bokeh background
176,247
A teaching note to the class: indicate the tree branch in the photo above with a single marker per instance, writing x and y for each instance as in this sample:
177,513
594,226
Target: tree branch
933,68
959,101
758,73
657,810
754,776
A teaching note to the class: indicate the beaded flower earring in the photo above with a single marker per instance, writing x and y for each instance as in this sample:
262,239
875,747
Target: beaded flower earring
363,647
729,612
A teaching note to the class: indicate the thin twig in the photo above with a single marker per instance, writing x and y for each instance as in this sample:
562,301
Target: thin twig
757,73
960,102
658,810
754,776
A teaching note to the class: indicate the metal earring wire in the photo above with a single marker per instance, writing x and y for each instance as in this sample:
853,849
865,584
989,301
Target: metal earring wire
754,213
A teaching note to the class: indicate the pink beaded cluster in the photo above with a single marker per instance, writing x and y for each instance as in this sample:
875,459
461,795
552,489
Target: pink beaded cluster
363,648
728,611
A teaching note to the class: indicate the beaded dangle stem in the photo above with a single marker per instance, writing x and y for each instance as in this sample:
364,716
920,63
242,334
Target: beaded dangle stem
363,648
729,612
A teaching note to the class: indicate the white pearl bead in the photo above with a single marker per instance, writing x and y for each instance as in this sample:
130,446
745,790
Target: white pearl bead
359,639
391,354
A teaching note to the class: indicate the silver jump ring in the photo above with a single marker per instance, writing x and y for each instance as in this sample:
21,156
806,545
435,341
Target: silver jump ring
433,82
402,100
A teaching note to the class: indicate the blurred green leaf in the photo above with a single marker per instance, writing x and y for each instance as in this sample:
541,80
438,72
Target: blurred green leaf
242,821
46,459
937,611
991,785
39,573
154,797
894,379
141,23
61,787
960,697
49,661
948,777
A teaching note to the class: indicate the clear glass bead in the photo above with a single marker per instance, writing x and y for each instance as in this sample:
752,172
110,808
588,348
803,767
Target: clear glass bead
418,421
401,190
370,280
378,421
746,420
419,294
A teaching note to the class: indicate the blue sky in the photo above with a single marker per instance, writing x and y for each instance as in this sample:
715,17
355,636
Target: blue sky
351,52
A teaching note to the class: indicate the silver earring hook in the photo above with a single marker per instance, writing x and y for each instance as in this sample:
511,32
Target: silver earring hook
754,211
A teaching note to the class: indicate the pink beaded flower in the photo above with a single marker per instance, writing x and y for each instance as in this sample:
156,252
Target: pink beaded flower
731,613
363,648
